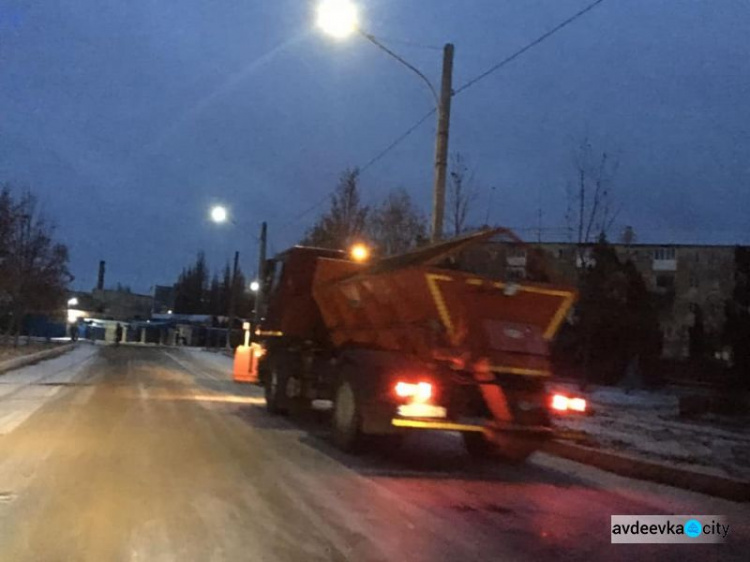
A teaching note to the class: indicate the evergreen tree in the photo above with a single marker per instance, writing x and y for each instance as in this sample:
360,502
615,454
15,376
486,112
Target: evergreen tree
616,318
191,289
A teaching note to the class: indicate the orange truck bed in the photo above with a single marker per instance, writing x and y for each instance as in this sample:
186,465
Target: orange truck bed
414,307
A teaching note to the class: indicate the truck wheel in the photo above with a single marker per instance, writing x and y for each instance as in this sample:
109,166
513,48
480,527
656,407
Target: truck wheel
514,450
478,446
274,390
347,421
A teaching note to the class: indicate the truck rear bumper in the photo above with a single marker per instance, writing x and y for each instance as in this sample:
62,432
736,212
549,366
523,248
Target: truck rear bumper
489,429
438,425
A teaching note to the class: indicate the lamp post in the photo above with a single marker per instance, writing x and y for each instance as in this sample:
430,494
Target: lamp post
220,215
339,18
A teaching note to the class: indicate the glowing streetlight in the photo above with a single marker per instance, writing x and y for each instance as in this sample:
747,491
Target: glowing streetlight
219,214
338,18
73,301
254,286
359,252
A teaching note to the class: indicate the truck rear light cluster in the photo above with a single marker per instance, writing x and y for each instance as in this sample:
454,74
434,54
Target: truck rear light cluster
417,392
562,403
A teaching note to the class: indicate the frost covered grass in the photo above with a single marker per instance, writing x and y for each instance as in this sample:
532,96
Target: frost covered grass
647,424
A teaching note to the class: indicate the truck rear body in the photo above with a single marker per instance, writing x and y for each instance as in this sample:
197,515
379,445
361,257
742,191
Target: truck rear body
422,346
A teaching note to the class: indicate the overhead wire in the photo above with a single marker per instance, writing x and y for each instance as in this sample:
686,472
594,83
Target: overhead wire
528,46
403,136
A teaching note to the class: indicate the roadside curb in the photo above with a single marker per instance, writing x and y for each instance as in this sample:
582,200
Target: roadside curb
26,360
719,486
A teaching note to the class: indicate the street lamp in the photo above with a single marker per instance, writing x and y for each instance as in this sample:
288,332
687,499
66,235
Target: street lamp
359,252
72,302
339,19
219,214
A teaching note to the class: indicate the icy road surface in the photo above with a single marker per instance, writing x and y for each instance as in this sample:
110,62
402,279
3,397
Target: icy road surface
152,454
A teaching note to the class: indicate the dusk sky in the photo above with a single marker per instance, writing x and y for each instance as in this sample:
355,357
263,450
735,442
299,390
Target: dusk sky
129,119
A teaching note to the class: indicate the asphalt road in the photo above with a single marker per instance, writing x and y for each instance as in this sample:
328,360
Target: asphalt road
148,454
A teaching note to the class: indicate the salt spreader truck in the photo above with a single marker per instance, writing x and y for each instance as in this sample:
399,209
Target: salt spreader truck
409,343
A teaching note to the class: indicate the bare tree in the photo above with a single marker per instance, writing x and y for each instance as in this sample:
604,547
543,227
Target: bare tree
462,192
590,214
346,218
396,225
33,267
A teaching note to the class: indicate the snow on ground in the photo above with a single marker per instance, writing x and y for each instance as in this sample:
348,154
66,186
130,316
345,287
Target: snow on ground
23,391
646,424
214,360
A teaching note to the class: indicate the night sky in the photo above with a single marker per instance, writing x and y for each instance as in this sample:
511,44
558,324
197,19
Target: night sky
130,118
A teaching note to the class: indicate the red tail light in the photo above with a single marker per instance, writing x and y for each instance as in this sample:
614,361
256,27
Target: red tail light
562,403
559,402
577,404
417,392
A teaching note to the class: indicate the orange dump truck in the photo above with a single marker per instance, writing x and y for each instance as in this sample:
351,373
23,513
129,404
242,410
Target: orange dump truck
409,343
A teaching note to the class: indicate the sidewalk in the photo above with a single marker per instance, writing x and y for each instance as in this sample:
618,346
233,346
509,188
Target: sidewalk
16,357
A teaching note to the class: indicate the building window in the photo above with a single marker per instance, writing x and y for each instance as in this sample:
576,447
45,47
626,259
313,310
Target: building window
664,254
560,253
516,252
694,283
585,258
515,273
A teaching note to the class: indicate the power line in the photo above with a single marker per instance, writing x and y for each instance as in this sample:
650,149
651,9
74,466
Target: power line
484,74
362,169
468,84
398,140
534,43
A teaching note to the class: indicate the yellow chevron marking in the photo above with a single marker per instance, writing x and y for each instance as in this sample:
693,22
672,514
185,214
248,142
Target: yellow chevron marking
437,297
519,371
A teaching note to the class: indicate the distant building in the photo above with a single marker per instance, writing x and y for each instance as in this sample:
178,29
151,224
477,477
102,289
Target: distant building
110,304
164,297
683,278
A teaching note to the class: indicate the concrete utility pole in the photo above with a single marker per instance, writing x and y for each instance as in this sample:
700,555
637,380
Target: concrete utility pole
441,143
261,276
232,299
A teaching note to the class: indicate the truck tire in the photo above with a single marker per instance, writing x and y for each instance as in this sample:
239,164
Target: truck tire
515,451
274,389
478,446
346,419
